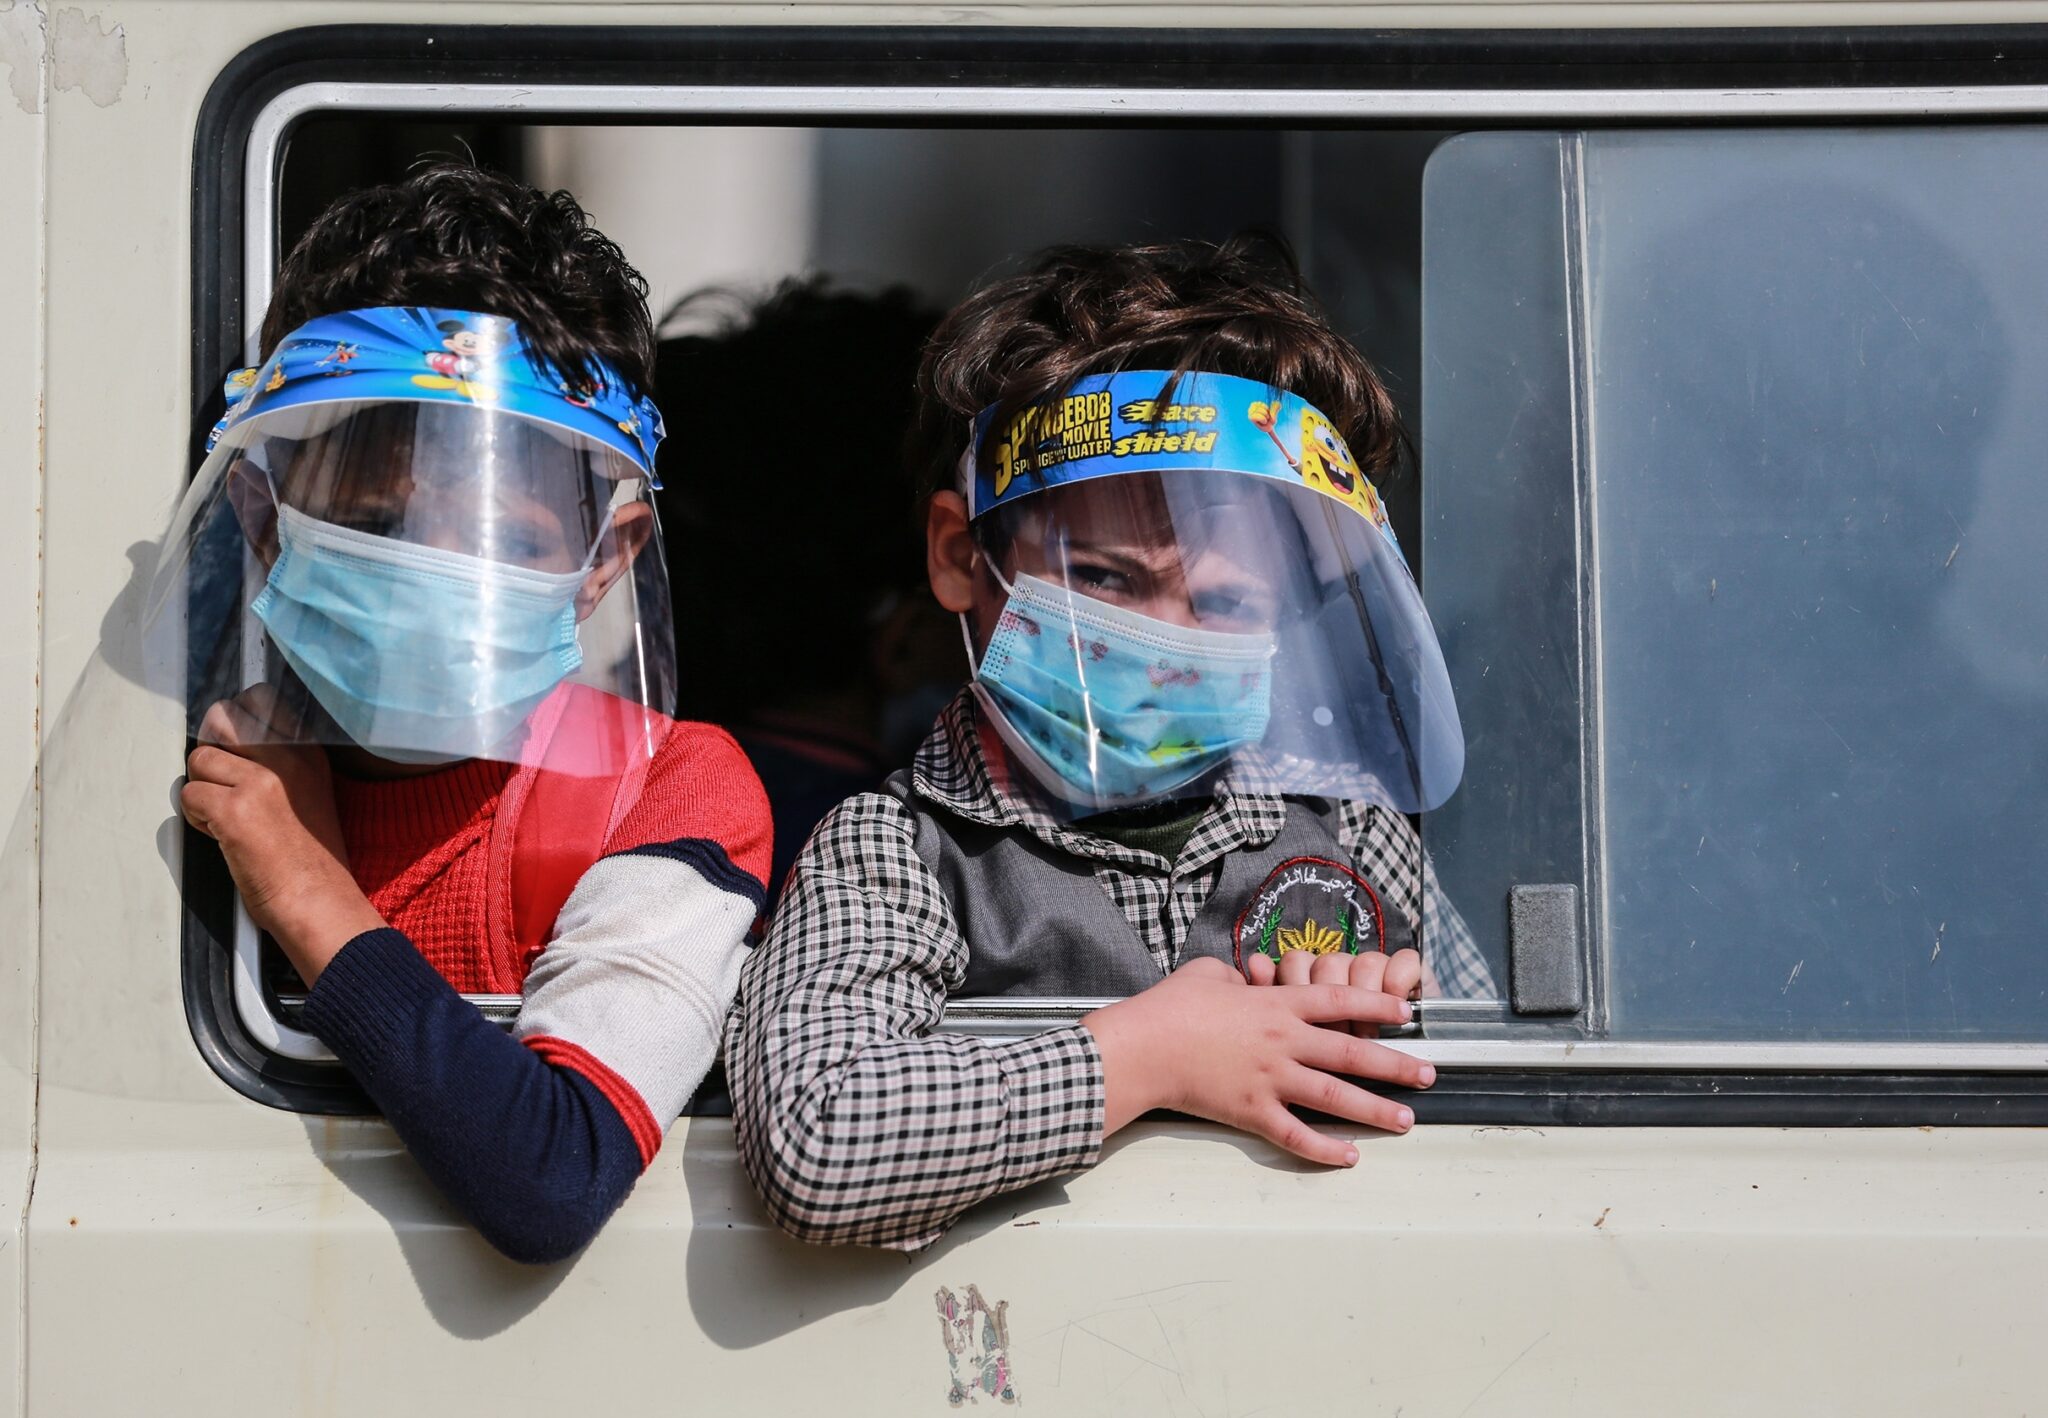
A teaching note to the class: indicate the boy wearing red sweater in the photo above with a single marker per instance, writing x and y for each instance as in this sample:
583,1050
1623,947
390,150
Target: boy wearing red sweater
424,541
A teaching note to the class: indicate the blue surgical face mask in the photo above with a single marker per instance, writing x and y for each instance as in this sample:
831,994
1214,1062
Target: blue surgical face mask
419,655
1109,708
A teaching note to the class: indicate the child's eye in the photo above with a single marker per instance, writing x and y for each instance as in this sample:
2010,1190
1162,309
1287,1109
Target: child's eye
370,521
1100,581
1231,609
529,552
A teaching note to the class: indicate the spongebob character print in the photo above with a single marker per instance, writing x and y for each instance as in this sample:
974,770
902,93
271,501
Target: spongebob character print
1326,462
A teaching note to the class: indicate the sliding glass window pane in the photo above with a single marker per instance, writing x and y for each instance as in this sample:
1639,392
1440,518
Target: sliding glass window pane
1500,540
1817,521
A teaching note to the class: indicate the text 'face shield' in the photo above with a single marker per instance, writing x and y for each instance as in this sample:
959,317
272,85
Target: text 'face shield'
1199,578
420,538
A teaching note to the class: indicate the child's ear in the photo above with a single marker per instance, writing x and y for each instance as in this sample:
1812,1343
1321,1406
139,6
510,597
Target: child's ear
249,495
632,525
950,553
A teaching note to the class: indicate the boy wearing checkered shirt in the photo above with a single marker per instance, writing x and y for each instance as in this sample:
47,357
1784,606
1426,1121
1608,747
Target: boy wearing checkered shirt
1136,798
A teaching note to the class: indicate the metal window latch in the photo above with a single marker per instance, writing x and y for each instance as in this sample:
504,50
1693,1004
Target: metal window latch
1547,972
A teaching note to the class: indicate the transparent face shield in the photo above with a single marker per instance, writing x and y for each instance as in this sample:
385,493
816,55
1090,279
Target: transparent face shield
422,579
1148,633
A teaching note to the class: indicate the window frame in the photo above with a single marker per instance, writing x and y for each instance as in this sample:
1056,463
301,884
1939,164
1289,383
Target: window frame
1111,77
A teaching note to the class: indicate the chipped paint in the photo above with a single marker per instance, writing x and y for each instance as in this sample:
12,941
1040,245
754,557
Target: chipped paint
977,1354
21,52
85,55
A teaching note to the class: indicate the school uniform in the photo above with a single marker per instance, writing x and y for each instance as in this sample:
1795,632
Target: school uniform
859,1122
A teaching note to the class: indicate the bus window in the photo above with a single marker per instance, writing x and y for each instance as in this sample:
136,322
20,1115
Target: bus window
1732,521
906,220
1720,510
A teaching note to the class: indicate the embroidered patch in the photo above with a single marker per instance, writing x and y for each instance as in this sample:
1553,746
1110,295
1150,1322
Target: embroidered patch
1311,904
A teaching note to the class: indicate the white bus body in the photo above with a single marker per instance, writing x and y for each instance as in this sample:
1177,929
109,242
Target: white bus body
169,1245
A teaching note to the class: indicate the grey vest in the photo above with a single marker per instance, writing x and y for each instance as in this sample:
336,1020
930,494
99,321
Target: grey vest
1038,924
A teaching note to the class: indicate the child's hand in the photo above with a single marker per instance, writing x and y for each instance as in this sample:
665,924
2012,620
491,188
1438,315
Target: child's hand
1204,1041
1399,975
269,801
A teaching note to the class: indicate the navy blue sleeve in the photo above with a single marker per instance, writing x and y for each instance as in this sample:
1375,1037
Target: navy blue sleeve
532,1154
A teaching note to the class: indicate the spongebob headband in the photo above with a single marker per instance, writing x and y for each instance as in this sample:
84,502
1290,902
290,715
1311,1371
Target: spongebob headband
1146,421
421,354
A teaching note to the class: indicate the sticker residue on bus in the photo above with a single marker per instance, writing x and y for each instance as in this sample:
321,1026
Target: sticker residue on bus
87,56
977,1338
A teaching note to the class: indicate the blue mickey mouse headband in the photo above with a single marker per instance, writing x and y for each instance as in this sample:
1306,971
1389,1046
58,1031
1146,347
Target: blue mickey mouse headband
425,354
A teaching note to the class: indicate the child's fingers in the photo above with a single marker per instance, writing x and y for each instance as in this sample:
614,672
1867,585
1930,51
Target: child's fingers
1333,1004
1208,967
1284,1130
1261,969
1328,1094
252,721
1295,967
243,731
232,725
1404,974
198,802
222,724
1333,1052
266,709
1368,970
1331,969
208,764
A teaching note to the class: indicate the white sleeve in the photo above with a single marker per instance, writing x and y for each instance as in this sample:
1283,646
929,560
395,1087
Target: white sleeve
642,968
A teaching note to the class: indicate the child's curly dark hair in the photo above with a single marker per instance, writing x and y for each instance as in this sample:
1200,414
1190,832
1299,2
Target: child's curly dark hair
1235,308
460,237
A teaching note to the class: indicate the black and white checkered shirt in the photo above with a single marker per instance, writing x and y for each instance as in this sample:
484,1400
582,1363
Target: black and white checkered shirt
859,1121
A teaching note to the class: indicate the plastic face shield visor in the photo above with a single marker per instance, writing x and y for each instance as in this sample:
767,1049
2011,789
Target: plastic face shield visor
472,481
1202,588
429,546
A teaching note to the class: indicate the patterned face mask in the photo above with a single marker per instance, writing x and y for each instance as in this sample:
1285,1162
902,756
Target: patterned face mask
1109,708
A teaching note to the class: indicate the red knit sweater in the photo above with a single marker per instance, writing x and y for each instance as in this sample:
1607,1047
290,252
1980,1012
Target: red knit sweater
538,1134
420,849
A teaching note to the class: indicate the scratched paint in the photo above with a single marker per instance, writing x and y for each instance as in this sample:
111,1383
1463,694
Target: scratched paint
977,1347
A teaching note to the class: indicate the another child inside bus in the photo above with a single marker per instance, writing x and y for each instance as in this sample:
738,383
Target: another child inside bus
429,653
1204,698
828,678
